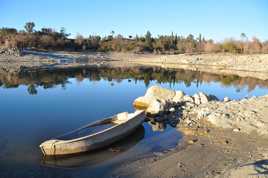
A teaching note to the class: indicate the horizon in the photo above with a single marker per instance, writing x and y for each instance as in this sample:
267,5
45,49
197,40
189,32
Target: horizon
135,18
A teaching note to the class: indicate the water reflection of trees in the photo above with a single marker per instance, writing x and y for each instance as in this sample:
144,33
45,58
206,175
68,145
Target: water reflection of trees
60,77
32,89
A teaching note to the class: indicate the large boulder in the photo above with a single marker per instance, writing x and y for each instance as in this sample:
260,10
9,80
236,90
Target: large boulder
154,93
160,93
188,98
203,97
178,96
197,99
143,102
156,107
155,100
200,98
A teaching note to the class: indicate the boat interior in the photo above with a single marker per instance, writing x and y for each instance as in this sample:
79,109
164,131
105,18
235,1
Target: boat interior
97,126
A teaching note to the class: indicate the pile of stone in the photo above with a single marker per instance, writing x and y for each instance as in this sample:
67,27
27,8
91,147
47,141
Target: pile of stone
159,100
246,115
10,52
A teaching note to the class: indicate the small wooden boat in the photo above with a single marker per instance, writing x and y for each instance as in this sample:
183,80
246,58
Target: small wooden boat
100,156
94,136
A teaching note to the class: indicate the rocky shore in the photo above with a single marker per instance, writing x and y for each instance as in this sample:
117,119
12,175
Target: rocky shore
221,138
247,115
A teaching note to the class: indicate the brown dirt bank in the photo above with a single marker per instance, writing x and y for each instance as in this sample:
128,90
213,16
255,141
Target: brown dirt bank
242,65
204,152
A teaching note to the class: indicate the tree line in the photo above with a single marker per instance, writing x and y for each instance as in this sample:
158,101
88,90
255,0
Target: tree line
49,39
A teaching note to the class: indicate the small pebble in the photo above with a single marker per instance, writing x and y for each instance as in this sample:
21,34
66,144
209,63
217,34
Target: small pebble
115,150
192,141
172,109
236,130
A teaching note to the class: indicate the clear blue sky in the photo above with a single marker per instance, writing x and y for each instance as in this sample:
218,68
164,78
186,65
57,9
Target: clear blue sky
215,19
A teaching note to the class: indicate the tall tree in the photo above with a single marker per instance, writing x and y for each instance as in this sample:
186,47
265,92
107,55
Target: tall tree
63,32
148,39
244,37
29,26
244,42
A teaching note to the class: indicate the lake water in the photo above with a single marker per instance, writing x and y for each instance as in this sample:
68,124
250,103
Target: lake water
35,106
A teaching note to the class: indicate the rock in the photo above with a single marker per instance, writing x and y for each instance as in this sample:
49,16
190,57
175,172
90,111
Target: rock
155,107
155,100
172,109
10,52
158,154
187,98
227,142
212,98
158,126
160,93
236,130
180,165
143,102
115,150
189,105
226,99
197,100
192,141
200,98
203,97
178,96
203,112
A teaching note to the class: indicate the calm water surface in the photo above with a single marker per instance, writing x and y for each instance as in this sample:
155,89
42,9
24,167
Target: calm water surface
36,106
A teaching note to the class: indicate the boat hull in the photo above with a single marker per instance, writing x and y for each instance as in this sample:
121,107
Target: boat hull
93,142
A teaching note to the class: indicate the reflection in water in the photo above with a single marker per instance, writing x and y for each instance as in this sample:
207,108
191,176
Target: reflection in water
96,157
160,123
32,89
51,78
157,126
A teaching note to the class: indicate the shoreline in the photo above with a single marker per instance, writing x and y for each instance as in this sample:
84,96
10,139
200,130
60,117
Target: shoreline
219,153
230,64
226,64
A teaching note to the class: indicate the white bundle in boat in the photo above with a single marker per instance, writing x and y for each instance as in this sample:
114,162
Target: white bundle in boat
121,118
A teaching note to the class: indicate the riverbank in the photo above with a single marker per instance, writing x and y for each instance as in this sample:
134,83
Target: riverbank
241,65
254,65
221,139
